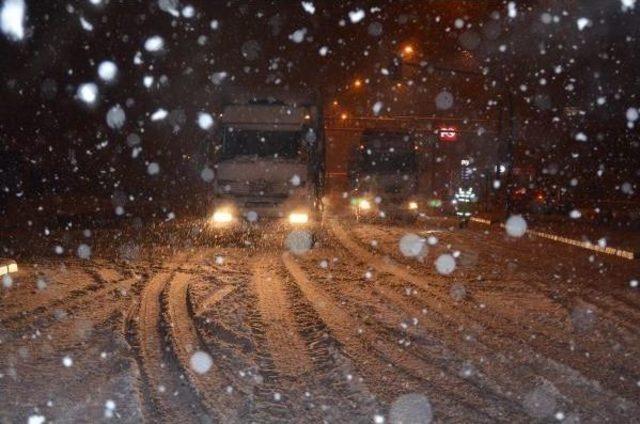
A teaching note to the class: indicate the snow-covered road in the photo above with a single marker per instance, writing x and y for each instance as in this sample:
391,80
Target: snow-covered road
377,323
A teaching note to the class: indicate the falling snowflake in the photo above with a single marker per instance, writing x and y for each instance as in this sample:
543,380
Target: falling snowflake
84,251
201,362
298,35
88,93
12,18
299,242
205,120
583,23
207,174
444,100
109,408
356,15
86,25
377,107
412,245
153,168
147,81
628,5
107,70
36,419
159,115
445,264
308,7
154,44
116,117
411,408
516,226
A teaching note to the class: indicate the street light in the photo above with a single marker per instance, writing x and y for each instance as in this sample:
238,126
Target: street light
408,50
343,116
357,83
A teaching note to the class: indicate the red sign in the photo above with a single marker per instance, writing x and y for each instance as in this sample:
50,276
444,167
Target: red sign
448,133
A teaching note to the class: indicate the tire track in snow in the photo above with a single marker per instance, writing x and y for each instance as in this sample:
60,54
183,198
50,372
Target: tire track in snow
285,344
173,400
567,379
310,377
185,341
215,298
433,341
445,391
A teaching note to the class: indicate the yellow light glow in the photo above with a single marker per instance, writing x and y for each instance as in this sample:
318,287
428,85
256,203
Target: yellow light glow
413,206
343,116
222,217
298,218
408,50
364,204
357,83
8,268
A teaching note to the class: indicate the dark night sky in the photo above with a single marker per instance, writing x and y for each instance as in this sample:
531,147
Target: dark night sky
51,133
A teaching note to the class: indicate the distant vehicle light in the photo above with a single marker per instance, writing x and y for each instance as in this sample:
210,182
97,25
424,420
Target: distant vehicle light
413,206
364,204
222,217
8,266
298,218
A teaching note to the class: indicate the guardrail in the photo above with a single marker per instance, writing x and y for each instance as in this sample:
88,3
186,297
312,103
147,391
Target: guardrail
622,253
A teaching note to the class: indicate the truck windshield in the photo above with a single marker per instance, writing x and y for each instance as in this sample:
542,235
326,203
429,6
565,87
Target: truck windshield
281,144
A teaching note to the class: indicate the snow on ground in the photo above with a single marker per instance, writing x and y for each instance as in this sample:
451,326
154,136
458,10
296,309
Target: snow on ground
172,324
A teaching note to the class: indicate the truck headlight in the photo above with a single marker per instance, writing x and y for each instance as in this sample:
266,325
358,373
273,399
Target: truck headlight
222,217
298,218
413,206
364,204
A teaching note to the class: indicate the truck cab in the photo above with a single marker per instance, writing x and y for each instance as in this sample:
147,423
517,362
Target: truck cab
269,160
383,175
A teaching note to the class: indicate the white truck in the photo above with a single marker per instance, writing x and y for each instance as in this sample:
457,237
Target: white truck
269,160
383,176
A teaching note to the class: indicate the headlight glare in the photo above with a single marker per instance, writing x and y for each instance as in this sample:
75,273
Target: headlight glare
364,204
298,217
222,216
